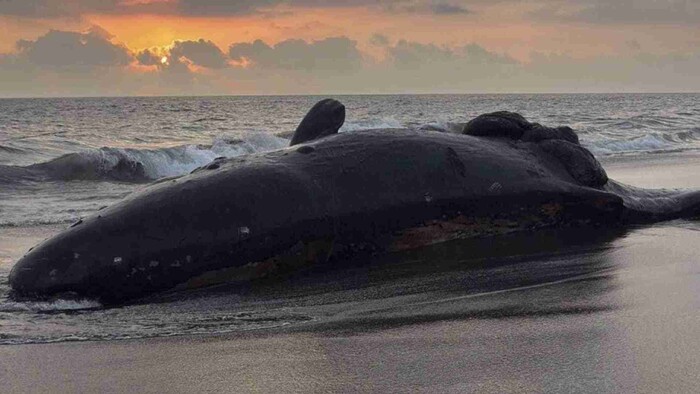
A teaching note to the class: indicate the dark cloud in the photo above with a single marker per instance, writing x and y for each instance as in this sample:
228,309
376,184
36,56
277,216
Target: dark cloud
62,63
439,8
201,53
448,9
148,58
66,49
51,8
334,54
60,8
223,7
379,40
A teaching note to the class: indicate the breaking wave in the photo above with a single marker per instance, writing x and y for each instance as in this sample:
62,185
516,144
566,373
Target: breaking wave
652,142
381,123
138,165
145,165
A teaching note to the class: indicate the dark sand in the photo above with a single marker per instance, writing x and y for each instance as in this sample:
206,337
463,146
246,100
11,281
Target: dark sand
631,324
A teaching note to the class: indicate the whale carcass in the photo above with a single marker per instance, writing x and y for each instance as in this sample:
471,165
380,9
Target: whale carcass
334,193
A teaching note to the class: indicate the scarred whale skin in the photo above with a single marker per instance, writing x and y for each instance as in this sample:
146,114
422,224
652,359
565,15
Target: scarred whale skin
402,186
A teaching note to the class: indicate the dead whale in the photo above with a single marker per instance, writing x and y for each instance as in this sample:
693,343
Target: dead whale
388,189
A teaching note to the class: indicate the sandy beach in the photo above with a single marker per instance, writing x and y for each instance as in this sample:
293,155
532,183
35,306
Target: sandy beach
616,313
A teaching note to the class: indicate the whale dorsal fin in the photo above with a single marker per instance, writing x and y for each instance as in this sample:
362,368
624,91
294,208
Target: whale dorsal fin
323,119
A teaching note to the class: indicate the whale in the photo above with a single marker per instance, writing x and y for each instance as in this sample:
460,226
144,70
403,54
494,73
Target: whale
331,195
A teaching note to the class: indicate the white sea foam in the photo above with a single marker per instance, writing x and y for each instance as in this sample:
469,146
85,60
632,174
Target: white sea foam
602,144
180,160
380,123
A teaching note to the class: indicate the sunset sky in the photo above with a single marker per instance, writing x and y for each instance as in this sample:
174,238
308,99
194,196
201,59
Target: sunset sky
164,47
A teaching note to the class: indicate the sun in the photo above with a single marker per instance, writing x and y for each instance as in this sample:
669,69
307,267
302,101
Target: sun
164,60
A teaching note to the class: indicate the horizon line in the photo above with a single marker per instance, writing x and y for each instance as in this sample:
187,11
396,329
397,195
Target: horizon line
344,95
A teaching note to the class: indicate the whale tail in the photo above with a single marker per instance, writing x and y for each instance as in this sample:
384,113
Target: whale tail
653,205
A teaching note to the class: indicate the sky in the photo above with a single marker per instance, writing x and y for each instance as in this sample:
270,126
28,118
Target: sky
219,47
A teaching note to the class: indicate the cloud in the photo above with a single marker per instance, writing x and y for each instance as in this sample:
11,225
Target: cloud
409,55
379,40
428,7
621,11
216,8
148,57
634,11
73,8
330,55
61,63
201,53
56,48
42,8
448,9
222,7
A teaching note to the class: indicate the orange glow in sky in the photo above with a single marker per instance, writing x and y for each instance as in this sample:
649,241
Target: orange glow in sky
522,33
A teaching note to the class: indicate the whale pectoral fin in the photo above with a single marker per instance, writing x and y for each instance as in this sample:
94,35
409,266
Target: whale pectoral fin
325,118
578,161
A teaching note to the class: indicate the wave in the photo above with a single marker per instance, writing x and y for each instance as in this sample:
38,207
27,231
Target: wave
381,123
138,165
145,165
392,123
653,142
9,149
445,127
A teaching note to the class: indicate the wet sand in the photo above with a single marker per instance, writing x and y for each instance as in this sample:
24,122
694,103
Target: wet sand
618,315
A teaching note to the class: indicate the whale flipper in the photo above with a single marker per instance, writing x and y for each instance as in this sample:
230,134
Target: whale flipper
578,161
653,205
323,119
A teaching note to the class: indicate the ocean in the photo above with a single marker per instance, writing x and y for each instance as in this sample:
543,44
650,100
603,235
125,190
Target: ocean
62,159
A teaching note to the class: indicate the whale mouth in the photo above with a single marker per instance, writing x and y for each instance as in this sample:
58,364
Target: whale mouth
304,255
520,219
38,275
